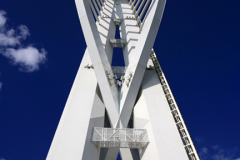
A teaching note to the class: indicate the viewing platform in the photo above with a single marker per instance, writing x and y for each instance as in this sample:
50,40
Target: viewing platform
120,43
120,137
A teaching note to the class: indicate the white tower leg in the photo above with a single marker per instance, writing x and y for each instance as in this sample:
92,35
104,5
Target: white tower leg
83,111
152,112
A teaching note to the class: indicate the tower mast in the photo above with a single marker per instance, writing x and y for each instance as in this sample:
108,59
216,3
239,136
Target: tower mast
130,109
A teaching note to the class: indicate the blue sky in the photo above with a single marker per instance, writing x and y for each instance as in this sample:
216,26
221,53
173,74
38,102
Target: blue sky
41,47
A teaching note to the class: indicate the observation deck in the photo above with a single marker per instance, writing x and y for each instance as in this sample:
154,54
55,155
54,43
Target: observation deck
120,137
120,43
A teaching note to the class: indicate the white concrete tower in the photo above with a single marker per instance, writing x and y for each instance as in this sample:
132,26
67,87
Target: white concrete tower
128,110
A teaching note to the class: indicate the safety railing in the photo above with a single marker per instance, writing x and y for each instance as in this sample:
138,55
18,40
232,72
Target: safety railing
119,71
118,42
120,137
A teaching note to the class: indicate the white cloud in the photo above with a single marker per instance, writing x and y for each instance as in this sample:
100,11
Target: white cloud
216,152
216,147
224,154
221,156
24,32
3,20
8,40
203,153
199,139
28,58
204,150
2,159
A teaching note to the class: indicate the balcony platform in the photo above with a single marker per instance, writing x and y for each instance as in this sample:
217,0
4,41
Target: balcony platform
120,137
120,43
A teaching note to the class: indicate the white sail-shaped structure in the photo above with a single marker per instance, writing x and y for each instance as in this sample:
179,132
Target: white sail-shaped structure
128,110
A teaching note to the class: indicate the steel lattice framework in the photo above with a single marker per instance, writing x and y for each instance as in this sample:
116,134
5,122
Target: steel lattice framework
129,109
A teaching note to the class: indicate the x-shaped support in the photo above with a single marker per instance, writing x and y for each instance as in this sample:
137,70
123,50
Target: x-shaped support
120,108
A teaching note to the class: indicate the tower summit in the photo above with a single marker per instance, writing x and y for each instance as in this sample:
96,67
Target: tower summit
128,110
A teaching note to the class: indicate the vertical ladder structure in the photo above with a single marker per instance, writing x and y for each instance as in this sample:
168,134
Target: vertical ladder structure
128,110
